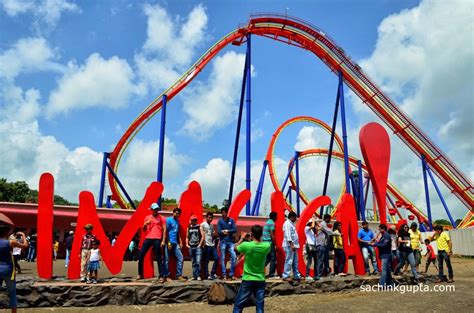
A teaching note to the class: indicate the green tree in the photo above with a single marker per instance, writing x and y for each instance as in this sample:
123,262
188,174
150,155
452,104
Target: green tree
20,192
442,222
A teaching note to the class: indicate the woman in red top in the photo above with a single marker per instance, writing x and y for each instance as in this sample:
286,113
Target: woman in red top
153,229
430,256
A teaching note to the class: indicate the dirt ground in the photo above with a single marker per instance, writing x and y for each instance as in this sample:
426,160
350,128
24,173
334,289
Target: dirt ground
457,300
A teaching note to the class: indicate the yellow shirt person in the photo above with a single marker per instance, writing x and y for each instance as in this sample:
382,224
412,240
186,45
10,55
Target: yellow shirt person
415,238
442,241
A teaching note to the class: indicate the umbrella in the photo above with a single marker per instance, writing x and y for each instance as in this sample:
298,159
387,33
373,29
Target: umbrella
6,220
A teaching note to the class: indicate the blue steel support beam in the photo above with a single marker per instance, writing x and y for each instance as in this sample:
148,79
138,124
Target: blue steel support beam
351,179
440,196
258,195
289,172
239,123
120,185
161,149
102,180
344,132
361,190
297,169
427,192
331,145
248,122
290,192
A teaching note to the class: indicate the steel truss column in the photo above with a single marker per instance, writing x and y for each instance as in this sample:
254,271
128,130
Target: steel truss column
331,144
258,195
239,124
161,149
297,169
427,192
248,122
344,131
361,190
102,180
439,194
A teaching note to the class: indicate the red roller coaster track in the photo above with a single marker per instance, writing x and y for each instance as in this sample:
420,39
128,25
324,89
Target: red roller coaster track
299,33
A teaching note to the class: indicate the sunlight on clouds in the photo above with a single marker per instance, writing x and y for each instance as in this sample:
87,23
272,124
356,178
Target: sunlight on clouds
107,83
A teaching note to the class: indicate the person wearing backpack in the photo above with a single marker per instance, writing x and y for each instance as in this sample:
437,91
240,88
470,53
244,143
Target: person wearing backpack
322,245
253,278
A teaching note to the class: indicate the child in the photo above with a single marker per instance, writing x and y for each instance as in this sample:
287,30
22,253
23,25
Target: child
431,256
93,264
55,249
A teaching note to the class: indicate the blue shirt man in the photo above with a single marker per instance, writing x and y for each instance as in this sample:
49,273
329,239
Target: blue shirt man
226,229
174,246
172,226
366,237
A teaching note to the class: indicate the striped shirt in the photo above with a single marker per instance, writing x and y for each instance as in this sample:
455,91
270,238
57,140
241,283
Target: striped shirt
290,235
268,229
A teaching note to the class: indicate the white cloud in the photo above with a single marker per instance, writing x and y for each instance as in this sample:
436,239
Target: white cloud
97,83
27,55
140,163
423,58
170,46
26,154
212,105
46,13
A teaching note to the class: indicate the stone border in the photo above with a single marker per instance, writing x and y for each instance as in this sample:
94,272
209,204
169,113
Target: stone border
59,292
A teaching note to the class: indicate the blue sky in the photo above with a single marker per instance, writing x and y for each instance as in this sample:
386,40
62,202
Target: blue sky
74,74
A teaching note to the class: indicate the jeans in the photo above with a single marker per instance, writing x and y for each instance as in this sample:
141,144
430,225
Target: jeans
369,255
68,256
443,256
175,250
386,276
404,256
323,259
147,244
195,254
11,289
291,263
31,253
210,253
311,255
223,246
339,261
271,258
247,288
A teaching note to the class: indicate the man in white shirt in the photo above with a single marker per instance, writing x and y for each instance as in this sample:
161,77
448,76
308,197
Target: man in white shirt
290,246
311,251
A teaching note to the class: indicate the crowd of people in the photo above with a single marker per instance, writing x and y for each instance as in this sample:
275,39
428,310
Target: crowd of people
397,249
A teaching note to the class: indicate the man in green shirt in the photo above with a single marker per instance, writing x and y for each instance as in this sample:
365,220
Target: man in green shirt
253,279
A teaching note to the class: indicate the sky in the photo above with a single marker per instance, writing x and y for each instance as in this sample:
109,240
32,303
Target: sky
75,74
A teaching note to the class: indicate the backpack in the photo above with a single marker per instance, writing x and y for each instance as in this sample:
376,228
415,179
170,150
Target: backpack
220,293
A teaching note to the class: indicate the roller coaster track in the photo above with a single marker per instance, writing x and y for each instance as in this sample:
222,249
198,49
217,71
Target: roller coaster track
299,33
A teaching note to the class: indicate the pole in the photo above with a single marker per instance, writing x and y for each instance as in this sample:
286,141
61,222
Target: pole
120,185
440,196
361,190
161,149
258,195
239,123
331,144
297,168
248,122
102,180
344,132
427,192
289,172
